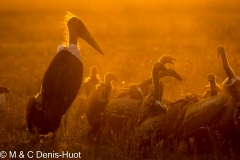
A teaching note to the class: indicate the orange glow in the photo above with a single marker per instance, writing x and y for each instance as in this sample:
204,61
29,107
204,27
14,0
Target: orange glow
133,36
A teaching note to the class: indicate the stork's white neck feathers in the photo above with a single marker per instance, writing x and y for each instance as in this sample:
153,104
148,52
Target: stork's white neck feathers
71,48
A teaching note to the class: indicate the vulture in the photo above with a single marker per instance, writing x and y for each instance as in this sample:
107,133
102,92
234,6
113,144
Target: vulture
92,81
231,86
165,59
61,82
138,91
98,100
149,121
119,110
213,88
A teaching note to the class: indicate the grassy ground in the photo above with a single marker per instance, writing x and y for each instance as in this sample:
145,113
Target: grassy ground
132,35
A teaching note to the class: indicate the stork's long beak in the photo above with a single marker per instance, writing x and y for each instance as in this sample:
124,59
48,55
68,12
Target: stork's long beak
220,50
170,72
84,33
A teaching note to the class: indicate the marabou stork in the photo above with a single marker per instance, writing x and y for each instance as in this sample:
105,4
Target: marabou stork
61,82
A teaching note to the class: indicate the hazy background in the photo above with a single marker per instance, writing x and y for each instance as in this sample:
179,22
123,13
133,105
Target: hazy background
133,35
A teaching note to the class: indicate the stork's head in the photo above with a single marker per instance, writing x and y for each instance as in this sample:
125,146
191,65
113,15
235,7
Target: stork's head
167,59
78,29
211,77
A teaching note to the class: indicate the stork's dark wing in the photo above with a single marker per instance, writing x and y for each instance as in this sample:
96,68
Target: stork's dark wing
60,86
